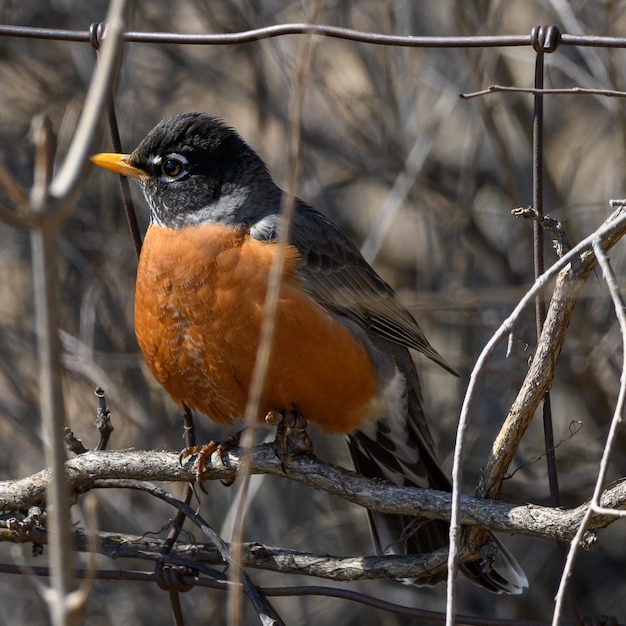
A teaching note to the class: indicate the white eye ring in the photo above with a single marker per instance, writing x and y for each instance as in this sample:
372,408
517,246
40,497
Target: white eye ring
173,166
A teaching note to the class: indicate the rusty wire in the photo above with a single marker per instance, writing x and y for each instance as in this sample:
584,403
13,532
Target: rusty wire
221,584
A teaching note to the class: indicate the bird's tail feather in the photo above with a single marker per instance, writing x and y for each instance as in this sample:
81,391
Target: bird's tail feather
403,455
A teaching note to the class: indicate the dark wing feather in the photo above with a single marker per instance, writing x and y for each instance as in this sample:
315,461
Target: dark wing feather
337,276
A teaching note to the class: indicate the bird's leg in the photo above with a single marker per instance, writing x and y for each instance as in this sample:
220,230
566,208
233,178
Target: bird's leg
205,451
291,436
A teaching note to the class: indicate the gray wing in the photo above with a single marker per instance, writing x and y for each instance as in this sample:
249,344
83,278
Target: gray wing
335,274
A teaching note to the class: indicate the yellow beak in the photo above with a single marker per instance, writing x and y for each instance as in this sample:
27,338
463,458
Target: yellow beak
118,163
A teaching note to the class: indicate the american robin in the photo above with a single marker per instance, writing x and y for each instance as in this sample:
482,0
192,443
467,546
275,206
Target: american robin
340,356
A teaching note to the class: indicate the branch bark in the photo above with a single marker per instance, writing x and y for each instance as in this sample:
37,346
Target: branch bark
256,555
87,472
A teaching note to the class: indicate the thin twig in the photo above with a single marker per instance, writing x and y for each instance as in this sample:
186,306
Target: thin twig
609,93
45,281
64,185
266,335
561,241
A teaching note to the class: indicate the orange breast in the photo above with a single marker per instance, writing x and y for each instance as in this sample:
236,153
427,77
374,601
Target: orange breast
198,311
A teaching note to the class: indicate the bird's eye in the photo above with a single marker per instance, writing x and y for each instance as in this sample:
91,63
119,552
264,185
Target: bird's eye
172,167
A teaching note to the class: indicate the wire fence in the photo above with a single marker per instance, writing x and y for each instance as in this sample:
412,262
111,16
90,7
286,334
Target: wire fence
49,219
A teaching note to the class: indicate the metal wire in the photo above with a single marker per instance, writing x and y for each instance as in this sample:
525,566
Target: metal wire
279,30
308,590
337,32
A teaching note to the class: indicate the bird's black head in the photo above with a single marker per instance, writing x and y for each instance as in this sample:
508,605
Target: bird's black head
194,169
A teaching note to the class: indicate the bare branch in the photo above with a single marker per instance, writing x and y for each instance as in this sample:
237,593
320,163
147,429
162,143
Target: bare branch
561,241
64,183
574,269
84,471
609,93
255,555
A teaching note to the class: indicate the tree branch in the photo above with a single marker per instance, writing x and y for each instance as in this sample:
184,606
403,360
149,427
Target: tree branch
256,555
576,267
85,471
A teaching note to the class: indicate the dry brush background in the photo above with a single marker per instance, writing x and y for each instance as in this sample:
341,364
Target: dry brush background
452,249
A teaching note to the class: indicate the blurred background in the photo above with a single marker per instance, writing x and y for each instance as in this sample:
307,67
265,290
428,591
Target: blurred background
373,116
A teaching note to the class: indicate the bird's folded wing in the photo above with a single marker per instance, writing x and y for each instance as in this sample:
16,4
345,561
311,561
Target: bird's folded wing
337,276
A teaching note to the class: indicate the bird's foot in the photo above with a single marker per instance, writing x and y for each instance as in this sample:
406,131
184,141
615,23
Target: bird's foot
291,436
205,451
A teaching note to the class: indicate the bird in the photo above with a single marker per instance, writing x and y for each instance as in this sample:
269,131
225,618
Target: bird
341,354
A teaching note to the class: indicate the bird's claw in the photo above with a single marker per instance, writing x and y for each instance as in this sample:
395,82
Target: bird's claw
205,451
291,436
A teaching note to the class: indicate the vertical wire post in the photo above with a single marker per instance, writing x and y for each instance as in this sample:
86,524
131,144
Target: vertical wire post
96,34
544,39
